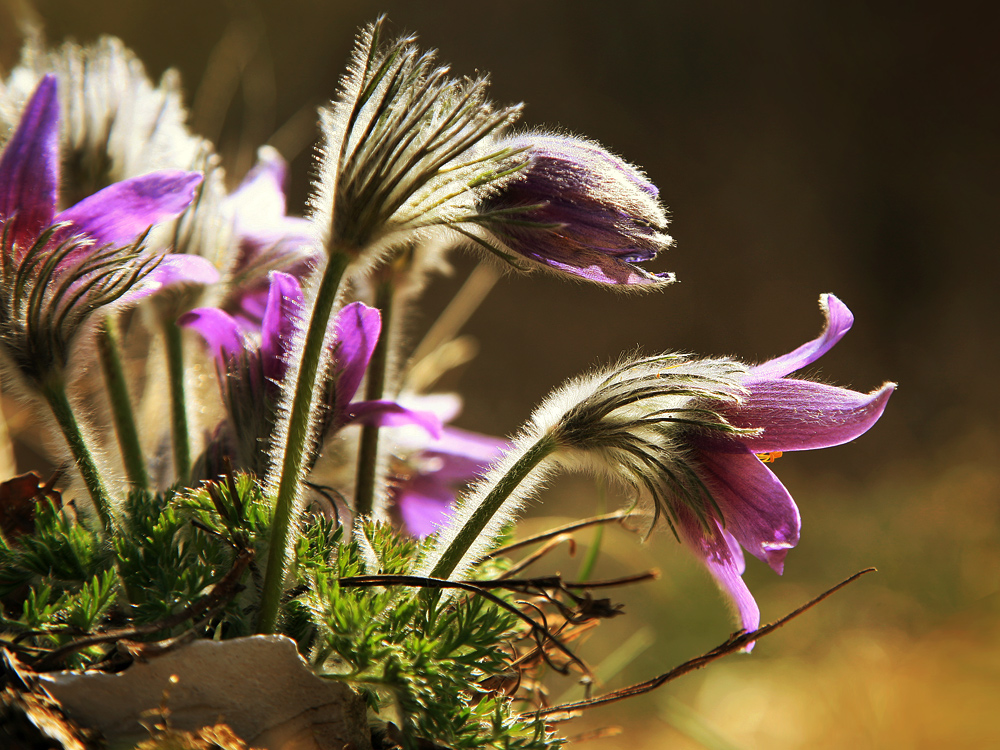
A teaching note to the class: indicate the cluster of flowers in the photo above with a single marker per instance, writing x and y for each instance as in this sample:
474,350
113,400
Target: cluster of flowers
296,311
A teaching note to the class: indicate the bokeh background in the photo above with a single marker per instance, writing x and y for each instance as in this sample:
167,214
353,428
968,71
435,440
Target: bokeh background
846,147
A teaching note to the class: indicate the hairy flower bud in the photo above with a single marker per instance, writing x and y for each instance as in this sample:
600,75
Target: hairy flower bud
577,209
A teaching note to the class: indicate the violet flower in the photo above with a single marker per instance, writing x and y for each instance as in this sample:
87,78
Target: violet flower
58,268
428,473
684,432
778,414
252,367
577,209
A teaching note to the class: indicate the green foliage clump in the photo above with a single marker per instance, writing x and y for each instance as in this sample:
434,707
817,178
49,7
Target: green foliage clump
189,562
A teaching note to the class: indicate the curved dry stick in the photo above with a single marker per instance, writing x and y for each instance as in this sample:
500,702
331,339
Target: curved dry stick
735,643
618,515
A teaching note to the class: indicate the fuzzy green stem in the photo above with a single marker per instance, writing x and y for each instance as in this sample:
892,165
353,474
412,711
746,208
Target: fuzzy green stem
121,405
53,390
492,503
364,491
178,401
297,434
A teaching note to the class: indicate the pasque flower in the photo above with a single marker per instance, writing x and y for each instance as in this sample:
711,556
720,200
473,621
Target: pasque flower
685,432
252,366
751,509
577,209
59,267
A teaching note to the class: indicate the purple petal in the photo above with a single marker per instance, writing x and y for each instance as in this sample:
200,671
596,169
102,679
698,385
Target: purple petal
284,306
121,212
29,167
756,508
839,320
173,270
802,415
463,455
260,198
603,269
391,414
424,505
220,331
356,331
721,554
182,268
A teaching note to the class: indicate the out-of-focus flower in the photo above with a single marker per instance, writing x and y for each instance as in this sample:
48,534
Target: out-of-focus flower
252,366
266,238
59,268
578,209
428,473
117,124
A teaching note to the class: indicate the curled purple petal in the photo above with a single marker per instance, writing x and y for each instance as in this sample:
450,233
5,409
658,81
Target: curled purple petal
391,414
29,167
121,212
756,508
356,331
721,554
800,415
838,321
284,305
220,331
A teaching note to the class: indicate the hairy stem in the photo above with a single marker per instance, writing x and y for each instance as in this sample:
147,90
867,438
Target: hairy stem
364,492
178,400
491,504
298,424
121,405
53,390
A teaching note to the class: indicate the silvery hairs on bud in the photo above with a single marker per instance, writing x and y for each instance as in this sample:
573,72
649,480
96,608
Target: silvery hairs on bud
626,423
407,149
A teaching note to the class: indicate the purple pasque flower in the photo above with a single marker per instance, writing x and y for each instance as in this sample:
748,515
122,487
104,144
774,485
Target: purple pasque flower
266,238
252,367
577,209
752,509
428,473
60,267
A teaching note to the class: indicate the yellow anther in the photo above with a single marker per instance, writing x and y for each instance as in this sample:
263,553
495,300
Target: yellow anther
770,457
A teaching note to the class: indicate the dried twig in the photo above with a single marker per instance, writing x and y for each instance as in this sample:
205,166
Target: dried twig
736,642
618,515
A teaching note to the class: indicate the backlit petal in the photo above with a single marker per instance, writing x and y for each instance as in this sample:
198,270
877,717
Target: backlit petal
220,331
121,212
357,328
284,305
29,167
721,554
839,320
803,415
756,508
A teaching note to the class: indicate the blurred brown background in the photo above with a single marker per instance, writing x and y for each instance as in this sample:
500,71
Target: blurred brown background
845,147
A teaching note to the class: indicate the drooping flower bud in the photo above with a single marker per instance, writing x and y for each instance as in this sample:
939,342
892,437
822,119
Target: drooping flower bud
578,209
